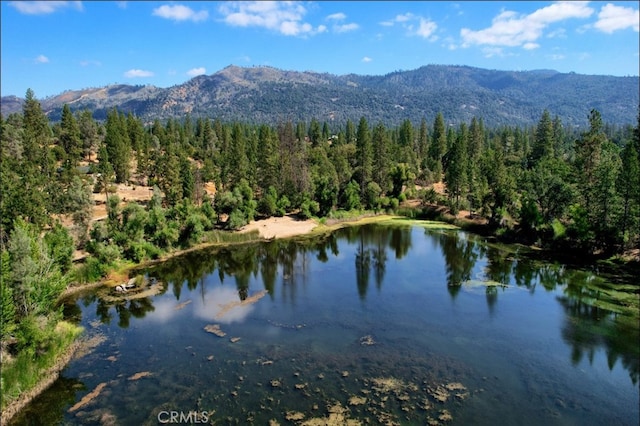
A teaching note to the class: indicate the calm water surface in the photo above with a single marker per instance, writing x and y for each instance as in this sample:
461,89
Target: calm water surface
385,325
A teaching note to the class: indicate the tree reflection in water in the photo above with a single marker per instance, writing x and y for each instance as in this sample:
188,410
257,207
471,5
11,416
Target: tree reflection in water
596,313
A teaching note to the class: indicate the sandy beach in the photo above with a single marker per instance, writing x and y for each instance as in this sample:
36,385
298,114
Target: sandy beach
280,227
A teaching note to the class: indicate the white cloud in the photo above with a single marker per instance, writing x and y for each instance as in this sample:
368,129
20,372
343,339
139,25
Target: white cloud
530,46
559,33
426,28
367,59
121,4
43,7
512,29
414,25
337,16
284,17
41,59
397,20
136,73
196,71
612,18
345,27
179,12
342,27
556,57
88,62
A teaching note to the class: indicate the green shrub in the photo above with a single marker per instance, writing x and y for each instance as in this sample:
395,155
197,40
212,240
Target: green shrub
236,219
90,271
559,230
309,208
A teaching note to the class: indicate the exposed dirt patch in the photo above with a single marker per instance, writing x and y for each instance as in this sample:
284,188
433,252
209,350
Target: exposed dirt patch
280,227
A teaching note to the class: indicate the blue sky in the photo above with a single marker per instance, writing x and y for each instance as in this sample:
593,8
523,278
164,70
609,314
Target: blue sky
53,46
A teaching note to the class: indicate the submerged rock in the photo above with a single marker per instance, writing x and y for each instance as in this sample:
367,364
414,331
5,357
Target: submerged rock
294,415
88,397
357,400
140,375
182,305
214,329
367,340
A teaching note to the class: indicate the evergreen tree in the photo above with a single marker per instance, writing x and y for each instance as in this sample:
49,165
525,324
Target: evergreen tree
628,186
315,134
187,179
70,138
423,145
89,134
267,167
350,132
117,144
438,147
169,179
544,141
476,182
588,158
36,132
407,151
326,134
456,173
364,155
381,159
605,202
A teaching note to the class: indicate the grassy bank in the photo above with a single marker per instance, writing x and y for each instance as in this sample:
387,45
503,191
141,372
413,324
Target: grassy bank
35,369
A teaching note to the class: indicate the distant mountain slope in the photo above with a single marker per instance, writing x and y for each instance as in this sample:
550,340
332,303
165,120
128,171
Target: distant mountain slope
265,94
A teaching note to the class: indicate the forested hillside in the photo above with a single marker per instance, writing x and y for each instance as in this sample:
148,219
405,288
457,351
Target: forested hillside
264,95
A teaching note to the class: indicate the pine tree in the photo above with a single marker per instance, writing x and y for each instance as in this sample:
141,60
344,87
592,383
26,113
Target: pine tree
70,138
88,133
544,141
238,161
456,173
423,145
438,147
381,158
187,179
36,132
267,167
315,134
117,144
364,155
588,157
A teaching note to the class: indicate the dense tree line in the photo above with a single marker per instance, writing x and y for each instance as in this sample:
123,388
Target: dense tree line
567,184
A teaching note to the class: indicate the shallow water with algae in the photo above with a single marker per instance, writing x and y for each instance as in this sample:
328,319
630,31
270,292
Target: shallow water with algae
375,324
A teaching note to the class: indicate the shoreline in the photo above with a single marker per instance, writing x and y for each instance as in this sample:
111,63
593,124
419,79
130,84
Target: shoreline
272,228
49,376
285,227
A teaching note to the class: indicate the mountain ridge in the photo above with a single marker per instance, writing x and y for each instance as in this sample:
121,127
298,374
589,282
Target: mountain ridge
269,95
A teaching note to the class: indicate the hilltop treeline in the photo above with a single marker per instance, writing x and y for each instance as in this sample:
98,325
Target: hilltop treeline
552,183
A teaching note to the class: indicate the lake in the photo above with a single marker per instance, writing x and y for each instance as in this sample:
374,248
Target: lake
376,324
